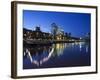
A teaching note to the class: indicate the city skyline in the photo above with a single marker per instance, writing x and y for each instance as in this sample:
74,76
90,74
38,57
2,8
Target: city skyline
78,24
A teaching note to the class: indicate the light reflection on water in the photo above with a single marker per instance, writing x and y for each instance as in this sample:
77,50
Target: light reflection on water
46,56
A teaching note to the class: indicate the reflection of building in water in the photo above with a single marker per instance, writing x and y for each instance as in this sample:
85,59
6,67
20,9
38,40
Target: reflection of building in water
41,54
86,48
38,55
59,48
82,45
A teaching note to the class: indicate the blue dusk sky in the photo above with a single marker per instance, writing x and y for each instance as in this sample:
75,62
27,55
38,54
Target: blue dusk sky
78,24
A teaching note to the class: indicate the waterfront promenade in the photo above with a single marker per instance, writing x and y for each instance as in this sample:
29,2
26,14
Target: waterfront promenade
31,41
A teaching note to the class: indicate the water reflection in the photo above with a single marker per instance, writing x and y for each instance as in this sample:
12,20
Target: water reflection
59,48
87,48
38,56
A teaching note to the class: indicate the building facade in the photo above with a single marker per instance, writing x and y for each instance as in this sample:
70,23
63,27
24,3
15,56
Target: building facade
36,34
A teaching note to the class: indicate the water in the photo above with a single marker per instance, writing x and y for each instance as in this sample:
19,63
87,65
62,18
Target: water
57,55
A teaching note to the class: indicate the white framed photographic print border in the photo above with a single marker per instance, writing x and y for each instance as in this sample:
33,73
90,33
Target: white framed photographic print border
17,70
